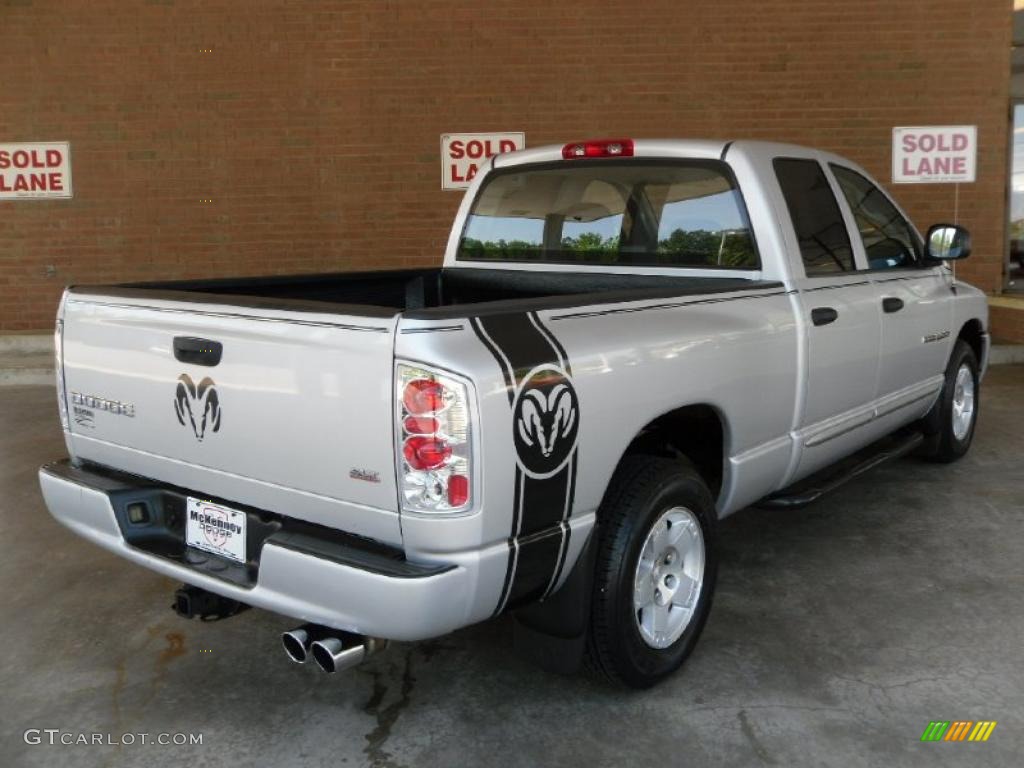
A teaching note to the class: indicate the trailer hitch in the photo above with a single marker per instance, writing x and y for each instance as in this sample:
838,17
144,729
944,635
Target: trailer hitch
192,602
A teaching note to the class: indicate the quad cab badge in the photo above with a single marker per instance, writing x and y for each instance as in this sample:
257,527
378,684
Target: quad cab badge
198,407
545,421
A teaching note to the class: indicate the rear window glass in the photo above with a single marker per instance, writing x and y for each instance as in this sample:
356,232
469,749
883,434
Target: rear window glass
609,212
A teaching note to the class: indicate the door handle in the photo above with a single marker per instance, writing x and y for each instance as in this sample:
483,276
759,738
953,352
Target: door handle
197,351
892,304
823,315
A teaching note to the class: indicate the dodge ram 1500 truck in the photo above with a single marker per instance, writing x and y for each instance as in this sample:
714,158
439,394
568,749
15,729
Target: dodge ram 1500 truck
627,341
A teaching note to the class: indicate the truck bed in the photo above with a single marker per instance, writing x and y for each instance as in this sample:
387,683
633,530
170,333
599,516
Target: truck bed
433,293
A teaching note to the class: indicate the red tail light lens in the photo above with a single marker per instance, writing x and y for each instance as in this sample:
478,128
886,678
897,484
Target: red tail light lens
598,148
458,490
425,452
423,397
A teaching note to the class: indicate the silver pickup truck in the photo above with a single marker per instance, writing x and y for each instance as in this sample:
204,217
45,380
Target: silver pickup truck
627,341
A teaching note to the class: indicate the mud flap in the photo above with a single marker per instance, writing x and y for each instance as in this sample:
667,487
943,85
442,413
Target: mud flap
552,633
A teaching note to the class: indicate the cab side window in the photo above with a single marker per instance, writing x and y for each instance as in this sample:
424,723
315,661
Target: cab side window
889,240
820,229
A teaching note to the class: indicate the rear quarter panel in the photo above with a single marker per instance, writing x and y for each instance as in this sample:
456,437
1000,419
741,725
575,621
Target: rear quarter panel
628,363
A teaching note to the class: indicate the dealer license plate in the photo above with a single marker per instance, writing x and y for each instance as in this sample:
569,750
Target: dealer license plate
216,529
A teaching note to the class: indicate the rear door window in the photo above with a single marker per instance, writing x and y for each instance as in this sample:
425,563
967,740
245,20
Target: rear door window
820,230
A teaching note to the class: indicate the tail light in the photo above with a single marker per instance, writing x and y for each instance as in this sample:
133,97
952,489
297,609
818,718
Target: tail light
434,441
598,148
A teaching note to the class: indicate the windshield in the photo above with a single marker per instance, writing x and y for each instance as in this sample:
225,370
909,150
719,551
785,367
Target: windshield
630,212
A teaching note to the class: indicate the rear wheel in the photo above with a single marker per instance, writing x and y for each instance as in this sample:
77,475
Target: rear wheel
656,566
957,407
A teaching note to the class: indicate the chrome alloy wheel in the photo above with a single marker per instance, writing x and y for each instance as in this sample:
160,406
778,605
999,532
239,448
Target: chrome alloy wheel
963,403
669,577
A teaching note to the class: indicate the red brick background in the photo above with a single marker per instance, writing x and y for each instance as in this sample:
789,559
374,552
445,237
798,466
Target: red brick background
313,126
1006,324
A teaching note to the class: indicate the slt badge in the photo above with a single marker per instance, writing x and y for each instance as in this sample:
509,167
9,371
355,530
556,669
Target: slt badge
545,421
200,404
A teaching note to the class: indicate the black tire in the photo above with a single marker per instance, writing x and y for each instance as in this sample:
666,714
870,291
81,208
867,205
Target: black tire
945,445
643,488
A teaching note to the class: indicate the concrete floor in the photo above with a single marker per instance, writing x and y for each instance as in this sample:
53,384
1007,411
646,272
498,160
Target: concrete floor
838,633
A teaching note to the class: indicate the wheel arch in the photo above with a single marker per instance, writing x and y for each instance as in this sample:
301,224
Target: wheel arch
698,432
973,334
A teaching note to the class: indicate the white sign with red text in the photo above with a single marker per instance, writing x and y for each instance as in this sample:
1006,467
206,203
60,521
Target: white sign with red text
943,154
463,154
32,170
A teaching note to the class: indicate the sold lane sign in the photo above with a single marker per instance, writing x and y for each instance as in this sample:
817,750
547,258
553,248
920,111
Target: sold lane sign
35,170
934,154
463,154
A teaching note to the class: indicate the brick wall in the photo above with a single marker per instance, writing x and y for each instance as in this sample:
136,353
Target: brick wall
1006,320
312,126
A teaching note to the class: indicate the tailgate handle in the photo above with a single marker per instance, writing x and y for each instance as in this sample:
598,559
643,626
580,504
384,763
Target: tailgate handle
197,351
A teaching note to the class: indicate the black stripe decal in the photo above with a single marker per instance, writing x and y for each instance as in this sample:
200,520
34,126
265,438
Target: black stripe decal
553,341
434,329
503,363
566,530
232,315
545,423
672,305
513,543
520,342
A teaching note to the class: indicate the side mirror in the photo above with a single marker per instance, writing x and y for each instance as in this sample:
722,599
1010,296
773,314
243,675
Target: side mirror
948,241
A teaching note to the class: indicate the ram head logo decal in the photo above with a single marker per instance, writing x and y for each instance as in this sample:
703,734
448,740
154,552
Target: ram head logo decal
546,420
198,407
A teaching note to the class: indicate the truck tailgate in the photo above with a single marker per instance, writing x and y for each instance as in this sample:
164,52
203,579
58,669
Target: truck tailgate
295,418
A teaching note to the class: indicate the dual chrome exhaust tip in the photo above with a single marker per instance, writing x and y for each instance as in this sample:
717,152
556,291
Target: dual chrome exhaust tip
332,649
